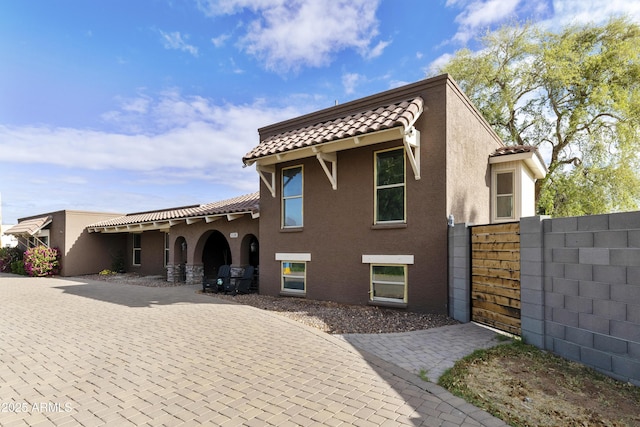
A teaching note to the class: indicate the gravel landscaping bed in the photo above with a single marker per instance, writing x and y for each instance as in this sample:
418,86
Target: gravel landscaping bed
327,316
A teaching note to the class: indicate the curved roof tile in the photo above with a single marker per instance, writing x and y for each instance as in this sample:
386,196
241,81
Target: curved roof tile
245,203
402,113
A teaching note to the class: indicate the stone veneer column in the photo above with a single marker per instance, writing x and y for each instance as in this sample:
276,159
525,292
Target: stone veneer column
195,273
171,273
175,273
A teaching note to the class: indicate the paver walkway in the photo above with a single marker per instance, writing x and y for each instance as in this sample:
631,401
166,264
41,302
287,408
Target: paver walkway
94,353
432,351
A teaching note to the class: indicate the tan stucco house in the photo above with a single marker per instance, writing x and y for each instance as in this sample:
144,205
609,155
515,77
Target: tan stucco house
80,251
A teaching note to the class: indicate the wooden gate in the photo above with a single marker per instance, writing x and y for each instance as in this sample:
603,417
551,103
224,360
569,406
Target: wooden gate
495,276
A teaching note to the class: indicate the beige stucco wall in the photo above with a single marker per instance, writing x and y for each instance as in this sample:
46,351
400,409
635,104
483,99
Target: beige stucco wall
81,252
151,253
470,142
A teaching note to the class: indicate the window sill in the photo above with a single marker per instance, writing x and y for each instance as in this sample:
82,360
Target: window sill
292,230
391,226
388,304
293,294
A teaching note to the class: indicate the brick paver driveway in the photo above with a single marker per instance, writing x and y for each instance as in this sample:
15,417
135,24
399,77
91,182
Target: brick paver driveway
93,353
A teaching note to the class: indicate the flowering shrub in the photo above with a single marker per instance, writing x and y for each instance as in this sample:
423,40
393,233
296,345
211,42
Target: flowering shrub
106,272
8,256
41,261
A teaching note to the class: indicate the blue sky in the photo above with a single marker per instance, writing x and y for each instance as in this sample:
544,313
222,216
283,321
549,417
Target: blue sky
126,106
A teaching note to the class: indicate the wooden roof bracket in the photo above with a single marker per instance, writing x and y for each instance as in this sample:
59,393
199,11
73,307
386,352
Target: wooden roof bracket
411,141
270,182
332,173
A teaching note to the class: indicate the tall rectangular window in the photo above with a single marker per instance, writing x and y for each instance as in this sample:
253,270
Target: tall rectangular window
504,195
390,186
389,283
292,207
137,248
293,276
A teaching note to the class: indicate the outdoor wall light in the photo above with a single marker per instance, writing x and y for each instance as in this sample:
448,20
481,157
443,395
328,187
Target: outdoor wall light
450,221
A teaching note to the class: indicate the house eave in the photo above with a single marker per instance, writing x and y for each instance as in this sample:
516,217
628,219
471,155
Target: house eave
395,133
533,162
166,225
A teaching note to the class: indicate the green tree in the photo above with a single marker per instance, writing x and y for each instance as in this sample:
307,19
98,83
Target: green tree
576,95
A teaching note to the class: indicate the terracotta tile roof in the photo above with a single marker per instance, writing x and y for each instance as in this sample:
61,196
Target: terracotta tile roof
246,203
513,149
402,113
520,149
30,226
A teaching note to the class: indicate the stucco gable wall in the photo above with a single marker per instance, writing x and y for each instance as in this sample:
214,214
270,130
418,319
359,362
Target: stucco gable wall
470,141
84,252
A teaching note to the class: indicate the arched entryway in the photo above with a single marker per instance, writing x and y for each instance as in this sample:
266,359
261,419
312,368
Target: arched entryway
216,252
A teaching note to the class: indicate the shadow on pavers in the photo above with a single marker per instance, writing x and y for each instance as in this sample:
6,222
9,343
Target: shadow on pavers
134,295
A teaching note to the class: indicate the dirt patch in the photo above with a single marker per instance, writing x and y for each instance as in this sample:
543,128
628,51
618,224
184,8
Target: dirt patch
525,386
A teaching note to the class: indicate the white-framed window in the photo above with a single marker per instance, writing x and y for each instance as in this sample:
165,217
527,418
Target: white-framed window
137,248
390,181
293,272
40,239
166,249
504,191
294,276
292,189
388,277
389,282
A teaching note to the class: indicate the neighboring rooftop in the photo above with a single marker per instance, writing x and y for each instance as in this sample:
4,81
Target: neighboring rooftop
513,149
528,153
29,227
161,219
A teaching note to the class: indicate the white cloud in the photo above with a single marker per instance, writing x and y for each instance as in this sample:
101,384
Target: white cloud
397,83
220,40
479,14
377,50
350,81
288,35
137,105
177,135
591,11
437,63
177,41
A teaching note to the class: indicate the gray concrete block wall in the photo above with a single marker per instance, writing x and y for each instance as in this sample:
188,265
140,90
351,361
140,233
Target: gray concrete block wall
580,288
533,286
591,269
460,272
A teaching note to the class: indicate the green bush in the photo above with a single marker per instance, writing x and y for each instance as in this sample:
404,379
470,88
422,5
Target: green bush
8,256
17,267
41,261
